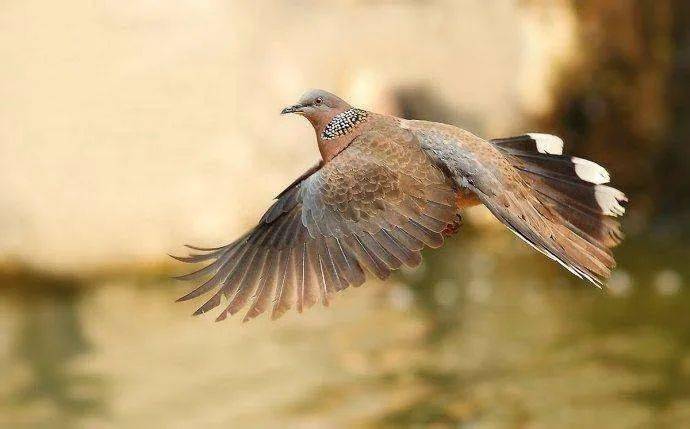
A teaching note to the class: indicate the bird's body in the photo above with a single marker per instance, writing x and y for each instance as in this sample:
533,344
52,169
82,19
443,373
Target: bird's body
386,188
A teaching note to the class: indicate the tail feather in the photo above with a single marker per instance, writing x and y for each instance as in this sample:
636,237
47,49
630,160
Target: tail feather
558,204
573,187
546,231
579,205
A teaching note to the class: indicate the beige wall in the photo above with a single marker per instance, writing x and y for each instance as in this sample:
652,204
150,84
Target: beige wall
130,127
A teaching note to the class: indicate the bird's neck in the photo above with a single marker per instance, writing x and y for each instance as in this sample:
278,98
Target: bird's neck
336,134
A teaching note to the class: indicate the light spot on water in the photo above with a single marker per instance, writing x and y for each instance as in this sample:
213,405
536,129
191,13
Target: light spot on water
668,282
479,290
446,292
620,284
400,297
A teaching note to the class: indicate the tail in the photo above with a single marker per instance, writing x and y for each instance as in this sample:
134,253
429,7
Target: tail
581,209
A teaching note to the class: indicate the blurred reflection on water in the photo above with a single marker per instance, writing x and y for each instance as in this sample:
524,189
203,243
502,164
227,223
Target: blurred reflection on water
486,334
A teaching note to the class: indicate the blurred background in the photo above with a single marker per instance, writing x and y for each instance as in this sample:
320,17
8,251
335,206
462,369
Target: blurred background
128,128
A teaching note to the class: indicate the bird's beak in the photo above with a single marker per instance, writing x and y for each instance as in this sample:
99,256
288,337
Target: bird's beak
297,108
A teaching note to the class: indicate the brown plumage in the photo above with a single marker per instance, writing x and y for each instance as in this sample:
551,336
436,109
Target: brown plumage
388,187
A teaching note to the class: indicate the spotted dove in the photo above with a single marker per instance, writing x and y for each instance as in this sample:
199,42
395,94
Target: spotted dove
388,187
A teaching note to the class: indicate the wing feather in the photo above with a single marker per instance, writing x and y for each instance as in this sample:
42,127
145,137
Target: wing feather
483,169
372,209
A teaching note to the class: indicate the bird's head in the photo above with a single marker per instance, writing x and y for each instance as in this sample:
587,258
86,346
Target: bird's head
336,122
318,106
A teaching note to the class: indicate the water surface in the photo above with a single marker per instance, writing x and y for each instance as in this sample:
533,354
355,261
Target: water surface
485,335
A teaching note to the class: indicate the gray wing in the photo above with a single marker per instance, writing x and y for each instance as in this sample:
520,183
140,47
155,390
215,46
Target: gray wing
480,167
358,213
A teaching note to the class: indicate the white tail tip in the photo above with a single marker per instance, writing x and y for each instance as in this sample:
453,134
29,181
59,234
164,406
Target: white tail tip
547,143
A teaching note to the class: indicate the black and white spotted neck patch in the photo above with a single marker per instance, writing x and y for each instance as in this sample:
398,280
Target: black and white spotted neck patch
343,123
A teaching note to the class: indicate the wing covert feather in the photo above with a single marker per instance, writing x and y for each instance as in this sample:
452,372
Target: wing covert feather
372,208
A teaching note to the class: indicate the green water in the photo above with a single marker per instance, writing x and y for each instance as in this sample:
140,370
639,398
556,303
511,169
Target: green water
485,335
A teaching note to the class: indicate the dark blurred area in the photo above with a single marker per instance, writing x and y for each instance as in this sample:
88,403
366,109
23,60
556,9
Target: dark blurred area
626,104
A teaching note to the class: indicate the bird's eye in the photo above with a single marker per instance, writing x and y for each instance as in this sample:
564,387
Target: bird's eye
318,101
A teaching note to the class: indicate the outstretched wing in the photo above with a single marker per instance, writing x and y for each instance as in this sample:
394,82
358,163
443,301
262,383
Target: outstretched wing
482,168
372,208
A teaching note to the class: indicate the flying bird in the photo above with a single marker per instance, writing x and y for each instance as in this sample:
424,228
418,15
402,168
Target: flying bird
386,188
